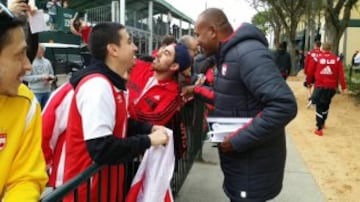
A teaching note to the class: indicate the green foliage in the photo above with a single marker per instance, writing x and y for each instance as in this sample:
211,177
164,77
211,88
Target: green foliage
353,83
262,21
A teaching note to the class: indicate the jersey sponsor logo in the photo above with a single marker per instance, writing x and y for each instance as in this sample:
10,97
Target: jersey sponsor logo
314,55
224,69
2,140
326,71
327,61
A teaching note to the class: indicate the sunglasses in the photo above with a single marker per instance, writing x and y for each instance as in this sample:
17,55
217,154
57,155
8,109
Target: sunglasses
5,15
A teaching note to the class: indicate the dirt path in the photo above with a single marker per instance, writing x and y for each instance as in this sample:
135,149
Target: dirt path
333,159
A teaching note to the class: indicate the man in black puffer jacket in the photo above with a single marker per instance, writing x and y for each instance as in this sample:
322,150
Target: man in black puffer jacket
247,84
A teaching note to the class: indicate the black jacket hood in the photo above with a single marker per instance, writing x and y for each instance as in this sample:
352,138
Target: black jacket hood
245,32
100,67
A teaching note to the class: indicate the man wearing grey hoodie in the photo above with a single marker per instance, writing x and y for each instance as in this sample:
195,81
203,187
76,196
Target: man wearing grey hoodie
41,77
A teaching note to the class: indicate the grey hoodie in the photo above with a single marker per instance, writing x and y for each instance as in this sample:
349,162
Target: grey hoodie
37,83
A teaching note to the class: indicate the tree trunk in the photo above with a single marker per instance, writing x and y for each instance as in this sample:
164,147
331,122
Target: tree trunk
277,31
336,25
333,36
293,58
292,51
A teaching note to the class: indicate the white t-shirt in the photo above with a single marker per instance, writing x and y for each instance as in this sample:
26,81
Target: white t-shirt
357,59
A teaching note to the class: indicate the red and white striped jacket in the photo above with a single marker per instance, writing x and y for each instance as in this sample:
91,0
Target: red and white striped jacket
54,118
77,157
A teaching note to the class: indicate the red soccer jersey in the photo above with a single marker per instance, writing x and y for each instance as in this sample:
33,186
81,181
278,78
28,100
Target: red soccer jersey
310,57
152,100
328,71
77,157
85,33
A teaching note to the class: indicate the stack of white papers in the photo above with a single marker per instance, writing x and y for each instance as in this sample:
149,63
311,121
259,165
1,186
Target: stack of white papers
221,127
37,22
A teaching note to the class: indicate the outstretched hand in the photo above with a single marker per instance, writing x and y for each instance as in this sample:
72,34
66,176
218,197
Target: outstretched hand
187,93
18,7
201,80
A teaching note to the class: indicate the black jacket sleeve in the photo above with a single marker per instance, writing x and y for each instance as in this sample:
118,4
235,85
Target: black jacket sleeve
138,127
112,150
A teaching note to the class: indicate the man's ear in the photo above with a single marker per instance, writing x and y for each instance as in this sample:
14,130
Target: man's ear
174,67
213,31
111,49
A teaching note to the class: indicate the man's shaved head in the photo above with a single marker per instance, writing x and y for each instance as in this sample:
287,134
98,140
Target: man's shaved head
211,27
215,17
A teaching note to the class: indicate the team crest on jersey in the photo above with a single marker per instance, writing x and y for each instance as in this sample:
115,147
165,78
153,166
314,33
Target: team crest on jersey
157,97
2,140
224,69
119,99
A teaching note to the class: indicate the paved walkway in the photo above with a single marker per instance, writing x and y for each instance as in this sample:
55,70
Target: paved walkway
203,184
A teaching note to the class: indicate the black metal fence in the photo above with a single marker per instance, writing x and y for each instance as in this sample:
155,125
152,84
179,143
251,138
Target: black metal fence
189,132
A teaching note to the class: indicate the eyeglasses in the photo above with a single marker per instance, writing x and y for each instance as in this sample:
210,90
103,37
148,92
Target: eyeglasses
5,14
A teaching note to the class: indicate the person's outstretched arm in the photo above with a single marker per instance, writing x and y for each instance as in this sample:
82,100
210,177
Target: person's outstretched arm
72,28
277,102
162,113
201,92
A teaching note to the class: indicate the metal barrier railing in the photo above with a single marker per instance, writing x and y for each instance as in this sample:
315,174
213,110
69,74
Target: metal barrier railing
99,14
72,184
188,131
190,122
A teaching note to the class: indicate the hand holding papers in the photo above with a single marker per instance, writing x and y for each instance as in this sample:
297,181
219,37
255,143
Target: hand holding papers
221,127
